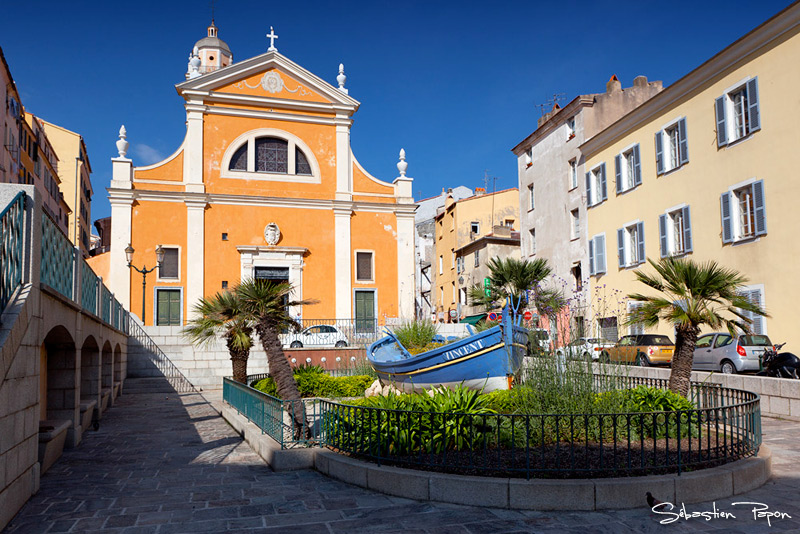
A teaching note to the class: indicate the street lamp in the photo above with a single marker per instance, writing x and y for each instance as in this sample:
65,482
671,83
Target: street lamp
144,270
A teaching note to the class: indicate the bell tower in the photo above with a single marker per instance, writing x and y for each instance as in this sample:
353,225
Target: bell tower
212,52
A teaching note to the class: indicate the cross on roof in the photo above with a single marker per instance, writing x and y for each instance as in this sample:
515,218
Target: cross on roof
272,38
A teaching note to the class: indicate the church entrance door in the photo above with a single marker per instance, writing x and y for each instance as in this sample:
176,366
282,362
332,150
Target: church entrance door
365,312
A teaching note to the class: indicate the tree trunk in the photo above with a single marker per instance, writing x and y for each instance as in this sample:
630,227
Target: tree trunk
681,375
282,373
239,361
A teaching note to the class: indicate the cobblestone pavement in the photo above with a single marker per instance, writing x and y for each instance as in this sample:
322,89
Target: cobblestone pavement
166,464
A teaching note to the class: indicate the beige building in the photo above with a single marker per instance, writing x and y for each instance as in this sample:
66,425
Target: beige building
74,170
458,224
717,164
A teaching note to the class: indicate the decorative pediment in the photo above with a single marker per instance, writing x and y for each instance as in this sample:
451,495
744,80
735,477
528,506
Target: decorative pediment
269,75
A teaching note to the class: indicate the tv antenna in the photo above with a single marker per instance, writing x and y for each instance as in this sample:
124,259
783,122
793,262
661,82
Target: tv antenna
553,101
494,179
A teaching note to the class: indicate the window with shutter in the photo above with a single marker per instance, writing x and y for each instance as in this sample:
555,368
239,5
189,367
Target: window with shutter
169,268
672,147
737,113
757,322
628,169
630,245
744,213
364,266
635,329
596,191
600,254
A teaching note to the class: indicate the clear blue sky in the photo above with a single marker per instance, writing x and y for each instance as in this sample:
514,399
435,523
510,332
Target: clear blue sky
457,84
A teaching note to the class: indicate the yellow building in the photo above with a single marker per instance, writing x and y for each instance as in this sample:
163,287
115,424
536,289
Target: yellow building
264,185
457,266
40,164
698,171
74,172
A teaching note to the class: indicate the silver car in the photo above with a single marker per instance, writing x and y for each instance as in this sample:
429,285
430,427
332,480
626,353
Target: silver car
585,348
321,335
728,354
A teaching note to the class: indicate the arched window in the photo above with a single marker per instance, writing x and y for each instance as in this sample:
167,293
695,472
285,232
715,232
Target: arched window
271,155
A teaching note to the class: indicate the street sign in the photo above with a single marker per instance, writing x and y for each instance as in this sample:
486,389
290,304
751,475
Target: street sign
492,316
486,282
528,315
453,314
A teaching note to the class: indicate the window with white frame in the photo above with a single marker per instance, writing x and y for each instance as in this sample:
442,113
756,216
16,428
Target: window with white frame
630,244
270,155
364,266
441,265
744,214
755,294
509,223
532,233
570,128
453,286
460,264
672,147
477,257
635,328
475,227
453,259
597,254
628,169
573,174
737,112
169,269
531,199
675,232
528,157
596,191
576,223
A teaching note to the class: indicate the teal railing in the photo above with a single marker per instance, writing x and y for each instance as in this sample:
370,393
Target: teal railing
11,246
274,416
58,258
139,340
105,300
89,283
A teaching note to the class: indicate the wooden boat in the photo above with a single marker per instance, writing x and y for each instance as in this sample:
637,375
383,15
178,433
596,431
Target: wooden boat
484,360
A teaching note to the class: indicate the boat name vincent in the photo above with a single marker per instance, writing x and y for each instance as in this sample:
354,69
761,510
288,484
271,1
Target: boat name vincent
463,351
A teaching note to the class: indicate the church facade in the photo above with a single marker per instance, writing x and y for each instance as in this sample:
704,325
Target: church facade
265,185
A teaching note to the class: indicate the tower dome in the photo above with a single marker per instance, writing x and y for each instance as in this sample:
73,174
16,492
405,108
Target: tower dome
214,53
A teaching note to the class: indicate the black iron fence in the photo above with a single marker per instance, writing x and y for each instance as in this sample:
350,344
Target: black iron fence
725,426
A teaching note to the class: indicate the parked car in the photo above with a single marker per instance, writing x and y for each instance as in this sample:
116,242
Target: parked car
585,348
538,341
719,351
321,335
641,349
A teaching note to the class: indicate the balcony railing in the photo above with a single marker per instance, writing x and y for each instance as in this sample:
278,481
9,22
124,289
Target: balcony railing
11,247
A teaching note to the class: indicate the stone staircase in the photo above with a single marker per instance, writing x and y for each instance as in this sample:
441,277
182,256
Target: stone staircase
148,385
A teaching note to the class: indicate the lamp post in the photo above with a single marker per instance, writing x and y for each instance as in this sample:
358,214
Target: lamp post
144,270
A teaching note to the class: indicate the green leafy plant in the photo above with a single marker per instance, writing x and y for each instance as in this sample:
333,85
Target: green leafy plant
415,334
313,383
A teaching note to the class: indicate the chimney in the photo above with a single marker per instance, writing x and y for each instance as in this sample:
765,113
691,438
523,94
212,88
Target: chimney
613,85
640,81
480,191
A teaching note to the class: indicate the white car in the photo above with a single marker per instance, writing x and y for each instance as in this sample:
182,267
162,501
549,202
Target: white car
321,335
584,348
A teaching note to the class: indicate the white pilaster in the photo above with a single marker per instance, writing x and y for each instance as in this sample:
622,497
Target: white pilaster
193,150
342,268
406,283
195,251
119,277
344,164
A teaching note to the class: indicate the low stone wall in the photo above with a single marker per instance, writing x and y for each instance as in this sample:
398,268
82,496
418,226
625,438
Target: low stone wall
780,397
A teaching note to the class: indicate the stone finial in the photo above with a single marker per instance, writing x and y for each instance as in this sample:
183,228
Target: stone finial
122,143
271,35
341,78
402,165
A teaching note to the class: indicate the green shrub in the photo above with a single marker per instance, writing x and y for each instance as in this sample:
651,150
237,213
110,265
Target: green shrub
319,384
415,334
267,385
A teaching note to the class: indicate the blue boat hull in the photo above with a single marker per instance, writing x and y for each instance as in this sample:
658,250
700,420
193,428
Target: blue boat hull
483,361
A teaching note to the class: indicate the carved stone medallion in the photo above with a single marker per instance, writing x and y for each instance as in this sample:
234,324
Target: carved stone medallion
272,234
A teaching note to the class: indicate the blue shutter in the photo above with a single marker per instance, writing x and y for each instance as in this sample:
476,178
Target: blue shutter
687,230
637,167
754,112
640,244
659,153
727,222
683,141
621,247
760,209
618,172
589,189
600,254
722,133
662,232
591,256
603,190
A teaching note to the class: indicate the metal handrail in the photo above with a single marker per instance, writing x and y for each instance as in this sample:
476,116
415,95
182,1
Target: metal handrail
157,357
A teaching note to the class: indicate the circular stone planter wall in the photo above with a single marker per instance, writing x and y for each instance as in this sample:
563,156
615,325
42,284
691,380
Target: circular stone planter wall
549,494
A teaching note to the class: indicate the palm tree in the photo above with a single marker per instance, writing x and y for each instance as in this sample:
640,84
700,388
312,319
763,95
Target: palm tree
694,294
222,315
266,304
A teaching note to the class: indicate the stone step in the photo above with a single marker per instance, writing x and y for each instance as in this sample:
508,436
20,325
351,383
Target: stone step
148,385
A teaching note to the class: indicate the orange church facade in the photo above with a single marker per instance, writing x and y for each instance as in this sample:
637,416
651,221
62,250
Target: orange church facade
265,185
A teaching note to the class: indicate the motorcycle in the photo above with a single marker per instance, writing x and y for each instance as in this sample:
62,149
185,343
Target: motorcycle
783,365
